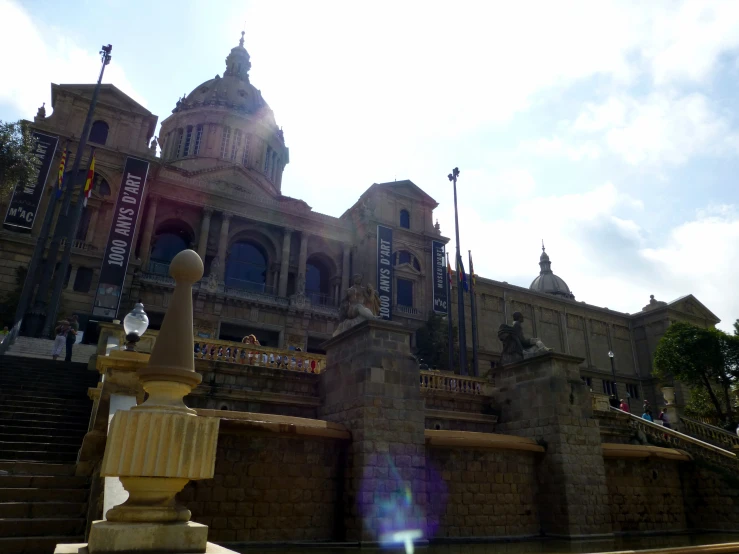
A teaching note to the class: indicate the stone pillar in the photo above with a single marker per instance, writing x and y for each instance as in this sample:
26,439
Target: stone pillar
204,230
371,386
275,279
148,231
345,269
303,257
223,244
72,276
91,228
544,399
285,263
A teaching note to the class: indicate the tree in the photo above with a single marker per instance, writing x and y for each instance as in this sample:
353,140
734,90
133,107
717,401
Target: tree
705,359
17,156
432,343
736,328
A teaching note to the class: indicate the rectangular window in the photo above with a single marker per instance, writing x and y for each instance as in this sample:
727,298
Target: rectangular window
236,144
225,141
609,387
83,280
588,382
267,157
245,156
179,144
274,165
632,390
188,140
198,138
405,293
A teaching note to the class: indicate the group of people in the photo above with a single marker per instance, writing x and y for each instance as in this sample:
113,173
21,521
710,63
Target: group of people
647,412
248,356
65,335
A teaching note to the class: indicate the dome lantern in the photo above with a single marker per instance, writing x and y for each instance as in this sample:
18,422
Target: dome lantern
547,281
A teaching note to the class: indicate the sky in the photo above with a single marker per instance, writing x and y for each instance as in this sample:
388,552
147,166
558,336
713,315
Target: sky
608,129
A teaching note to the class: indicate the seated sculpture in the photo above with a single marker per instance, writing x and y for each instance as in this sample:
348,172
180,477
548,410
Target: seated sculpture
516,347
360,303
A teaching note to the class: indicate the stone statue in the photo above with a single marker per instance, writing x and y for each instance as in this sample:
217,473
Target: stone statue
153,146
41,113
360,302
214,276
516,347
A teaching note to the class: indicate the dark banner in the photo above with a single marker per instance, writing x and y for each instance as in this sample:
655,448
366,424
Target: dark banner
120,239
24,203
385,270
440,277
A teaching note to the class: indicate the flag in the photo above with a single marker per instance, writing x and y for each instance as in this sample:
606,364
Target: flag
472,273
449,270
462,274
60,180
88,182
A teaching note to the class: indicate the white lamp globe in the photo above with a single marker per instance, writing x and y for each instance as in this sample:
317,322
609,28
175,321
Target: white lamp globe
136,321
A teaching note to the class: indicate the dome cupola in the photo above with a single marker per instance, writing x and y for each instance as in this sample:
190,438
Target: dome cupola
547,281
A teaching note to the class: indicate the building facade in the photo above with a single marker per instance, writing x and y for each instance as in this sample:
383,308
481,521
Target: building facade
274,267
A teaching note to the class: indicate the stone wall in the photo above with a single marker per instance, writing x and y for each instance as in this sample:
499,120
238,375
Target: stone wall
646,495
711,498
269,488
481,493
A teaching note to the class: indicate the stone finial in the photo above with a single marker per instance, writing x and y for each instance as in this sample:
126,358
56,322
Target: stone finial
41,113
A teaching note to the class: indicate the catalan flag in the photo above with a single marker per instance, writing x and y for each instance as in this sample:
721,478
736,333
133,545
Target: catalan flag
472,273
462,274
89,181
60,180
449,270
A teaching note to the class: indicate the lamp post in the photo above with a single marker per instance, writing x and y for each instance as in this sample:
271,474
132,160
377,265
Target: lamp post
135,324
611,355
460,294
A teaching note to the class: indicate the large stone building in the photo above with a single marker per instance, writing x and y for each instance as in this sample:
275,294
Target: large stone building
276,268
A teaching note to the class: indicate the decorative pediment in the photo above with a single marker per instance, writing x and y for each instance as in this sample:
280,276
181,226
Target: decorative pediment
690,305
110,96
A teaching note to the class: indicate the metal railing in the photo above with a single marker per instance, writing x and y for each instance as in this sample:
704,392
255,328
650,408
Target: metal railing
8,340
710,433
320,299
460,384
665,436
249,354
158,268
251,286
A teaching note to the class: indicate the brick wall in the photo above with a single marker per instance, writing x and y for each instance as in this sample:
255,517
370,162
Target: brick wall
481,493
646,495
269,488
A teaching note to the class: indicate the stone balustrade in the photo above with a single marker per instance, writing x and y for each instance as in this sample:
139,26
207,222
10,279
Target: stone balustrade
249,354
711,434
459,384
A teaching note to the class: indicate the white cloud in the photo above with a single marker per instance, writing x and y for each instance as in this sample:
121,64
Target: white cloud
556,147
46,60
663,128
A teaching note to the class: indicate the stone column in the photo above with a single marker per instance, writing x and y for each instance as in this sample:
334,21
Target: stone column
285,263
303,258
345,269
545,400
374,391
204,230
72,276
223,243
148,231
94,215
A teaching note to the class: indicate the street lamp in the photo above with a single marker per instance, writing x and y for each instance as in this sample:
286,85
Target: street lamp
135,324
611,355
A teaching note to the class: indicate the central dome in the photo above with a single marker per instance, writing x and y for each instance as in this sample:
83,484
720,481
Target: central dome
547,281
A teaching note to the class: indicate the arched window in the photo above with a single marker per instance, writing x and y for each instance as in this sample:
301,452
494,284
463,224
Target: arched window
246,267
178,144
245,157
83,280
169,241
236,144
99,132
405,219
317,286
405,257
198,139
225,141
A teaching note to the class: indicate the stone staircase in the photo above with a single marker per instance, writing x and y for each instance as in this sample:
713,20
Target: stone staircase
29,347
44,414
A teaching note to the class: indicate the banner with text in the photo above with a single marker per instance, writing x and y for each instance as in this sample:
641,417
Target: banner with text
385,270
24,203
440,277
120,239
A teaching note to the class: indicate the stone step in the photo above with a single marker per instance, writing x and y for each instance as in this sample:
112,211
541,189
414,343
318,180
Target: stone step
42,509
53,386
55,439
33,455
73,420
47,407
74,400
42,495
61,526
36,545
42,482
41,446
35,468
38,428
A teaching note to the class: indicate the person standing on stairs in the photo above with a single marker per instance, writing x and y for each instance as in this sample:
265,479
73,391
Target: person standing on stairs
74,328
61,330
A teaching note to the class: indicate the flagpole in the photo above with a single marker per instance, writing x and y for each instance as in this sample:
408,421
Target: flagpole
61,273
460,294
449,314
38,253
473,308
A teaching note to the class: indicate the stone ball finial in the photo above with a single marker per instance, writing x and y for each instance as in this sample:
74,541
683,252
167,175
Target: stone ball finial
186,267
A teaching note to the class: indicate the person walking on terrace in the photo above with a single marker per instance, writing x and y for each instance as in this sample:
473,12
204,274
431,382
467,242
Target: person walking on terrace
624,406
60,338
74,328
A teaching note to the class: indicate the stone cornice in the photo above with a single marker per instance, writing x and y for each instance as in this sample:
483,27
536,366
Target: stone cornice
467,439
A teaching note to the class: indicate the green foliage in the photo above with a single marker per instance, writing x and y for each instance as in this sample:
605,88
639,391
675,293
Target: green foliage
736,328
706,360
17,156
700,406
9,302
432,343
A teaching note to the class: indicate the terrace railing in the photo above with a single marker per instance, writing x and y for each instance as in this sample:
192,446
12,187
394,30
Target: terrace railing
249,354
432,381
711,434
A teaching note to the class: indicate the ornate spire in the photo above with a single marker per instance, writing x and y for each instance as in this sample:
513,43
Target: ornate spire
237,62
544,263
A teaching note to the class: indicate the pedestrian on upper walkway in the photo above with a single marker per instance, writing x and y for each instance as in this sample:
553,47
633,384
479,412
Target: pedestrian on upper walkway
648,416
74,328
60,338
624,406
